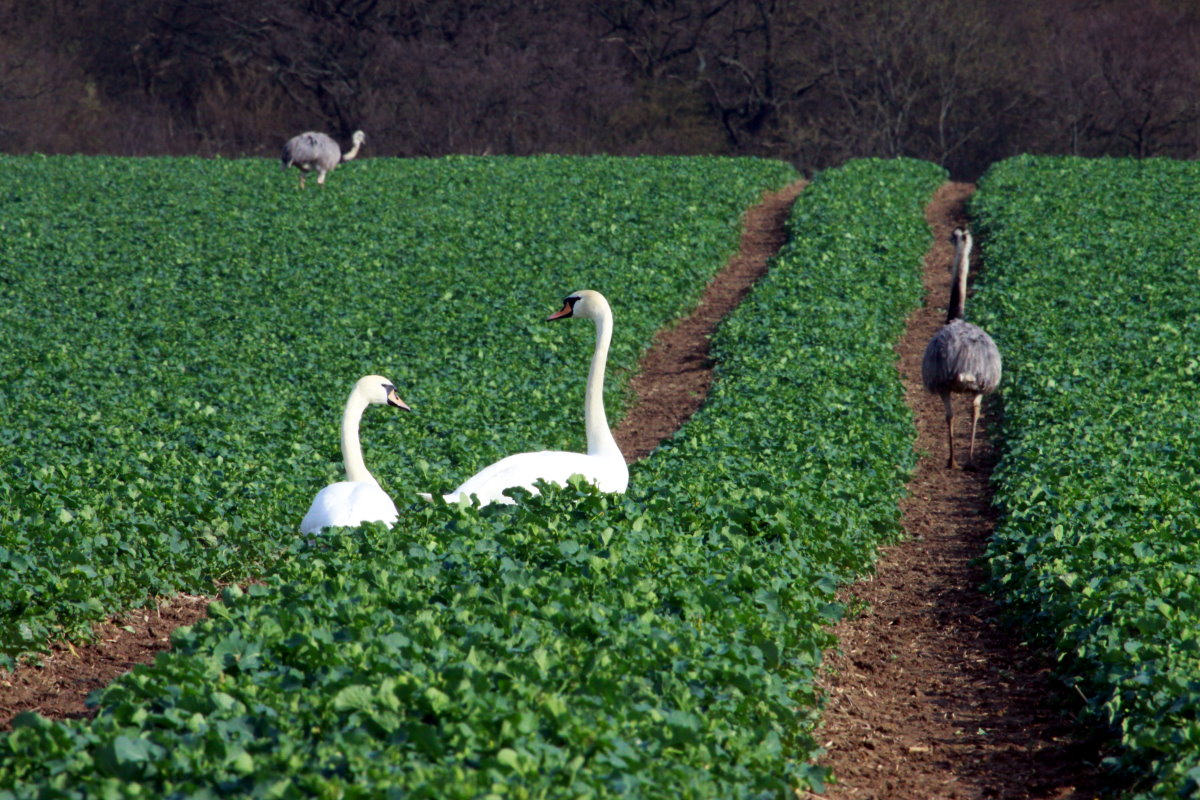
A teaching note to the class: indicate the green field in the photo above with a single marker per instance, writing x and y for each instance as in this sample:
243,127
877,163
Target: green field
181,335
1092,283
660,644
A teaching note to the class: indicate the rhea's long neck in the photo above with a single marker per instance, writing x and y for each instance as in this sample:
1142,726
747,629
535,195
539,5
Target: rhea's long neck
352,152
352,457
958,283
600,440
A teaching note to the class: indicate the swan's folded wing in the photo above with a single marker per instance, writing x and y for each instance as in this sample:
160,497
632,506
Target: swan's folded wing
348,504
552,466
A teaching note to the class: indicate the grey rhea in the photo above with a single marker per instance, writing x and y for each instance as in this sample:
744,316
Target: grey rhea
316,151
960,358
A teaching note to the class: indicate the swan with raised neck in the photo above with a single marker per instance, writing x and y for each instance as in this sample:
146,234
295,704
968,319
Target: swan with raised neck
602,464
359,498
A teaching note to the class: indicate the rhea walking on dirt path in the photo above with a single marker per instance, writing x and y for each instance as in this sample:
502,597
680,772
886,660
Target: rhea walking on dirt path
927,697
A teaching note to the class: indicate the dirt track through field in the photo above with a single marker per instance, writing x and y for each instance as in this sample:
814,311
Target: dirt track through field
928,699
674,375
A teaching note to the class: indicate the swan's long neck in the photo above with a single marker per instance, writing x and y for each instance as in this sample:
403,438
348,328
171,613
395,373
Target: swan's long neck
600,440
958,283
352,152
352,457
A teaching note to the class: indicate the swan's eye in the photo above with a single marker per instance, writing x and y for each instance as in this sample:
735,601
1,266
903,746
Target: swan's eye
388,388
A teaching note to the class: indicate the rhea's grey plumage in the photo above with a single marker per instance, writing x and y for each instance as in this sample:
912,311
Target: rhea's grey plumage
960,358
316,151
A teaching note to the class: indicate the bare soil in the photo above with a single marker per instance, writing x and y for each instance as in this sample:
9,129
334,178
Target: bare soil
58,686
927,697
674,374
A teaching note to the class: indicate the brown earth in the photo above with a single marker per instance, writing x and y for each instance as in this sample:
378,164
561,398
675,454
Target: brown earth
674,375
59,685
927,698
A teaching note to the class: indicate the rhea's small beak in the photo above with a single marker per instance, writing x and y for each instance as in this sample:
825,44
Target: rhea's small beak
394,400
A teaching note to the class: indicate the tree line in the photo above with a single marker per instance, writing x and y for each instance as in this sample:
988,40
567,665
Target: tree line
815,82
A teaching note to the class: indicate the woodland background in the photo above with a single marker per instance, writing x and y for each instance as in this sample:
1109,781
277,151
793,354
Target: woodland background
959,82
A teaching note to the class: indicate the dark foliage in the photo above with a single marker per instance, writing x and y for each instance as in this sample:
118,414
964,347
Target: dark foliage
961,83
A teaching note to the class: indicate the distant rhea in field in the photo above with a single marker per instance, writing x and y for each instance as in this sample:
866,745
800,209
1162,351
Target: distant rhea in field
960,358
317,151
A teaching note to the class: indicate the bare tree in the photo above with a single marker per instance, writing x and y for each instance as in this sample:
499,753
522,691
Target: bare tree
1119,79
747,64
928,79
960,82
41,91
1147,62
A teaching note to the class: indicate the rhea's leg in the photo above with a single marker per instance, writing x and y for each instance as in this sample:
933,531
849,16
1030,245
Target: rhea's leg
949,429
975,401
301,179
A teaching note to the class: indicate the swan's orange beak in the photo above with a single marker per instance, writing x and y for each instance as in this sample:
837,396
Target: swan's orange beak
566,311
394,400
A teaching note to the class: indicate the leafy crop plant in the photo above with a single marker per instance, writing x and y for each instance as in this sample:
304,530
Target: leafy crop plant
1093,282
659,644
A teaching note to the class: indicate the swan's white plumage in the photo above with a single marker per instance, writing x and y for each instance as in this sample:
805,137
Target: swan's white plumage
602,464
358,499
552,466
347,504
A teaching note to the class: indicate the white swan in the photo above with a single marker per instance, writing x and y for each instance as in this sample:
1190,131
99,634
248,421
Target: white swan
603,463
359,498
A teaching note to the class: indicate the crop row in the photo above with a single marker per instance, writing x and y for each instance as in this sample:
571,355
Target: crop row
660,644
1092,284
180,335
